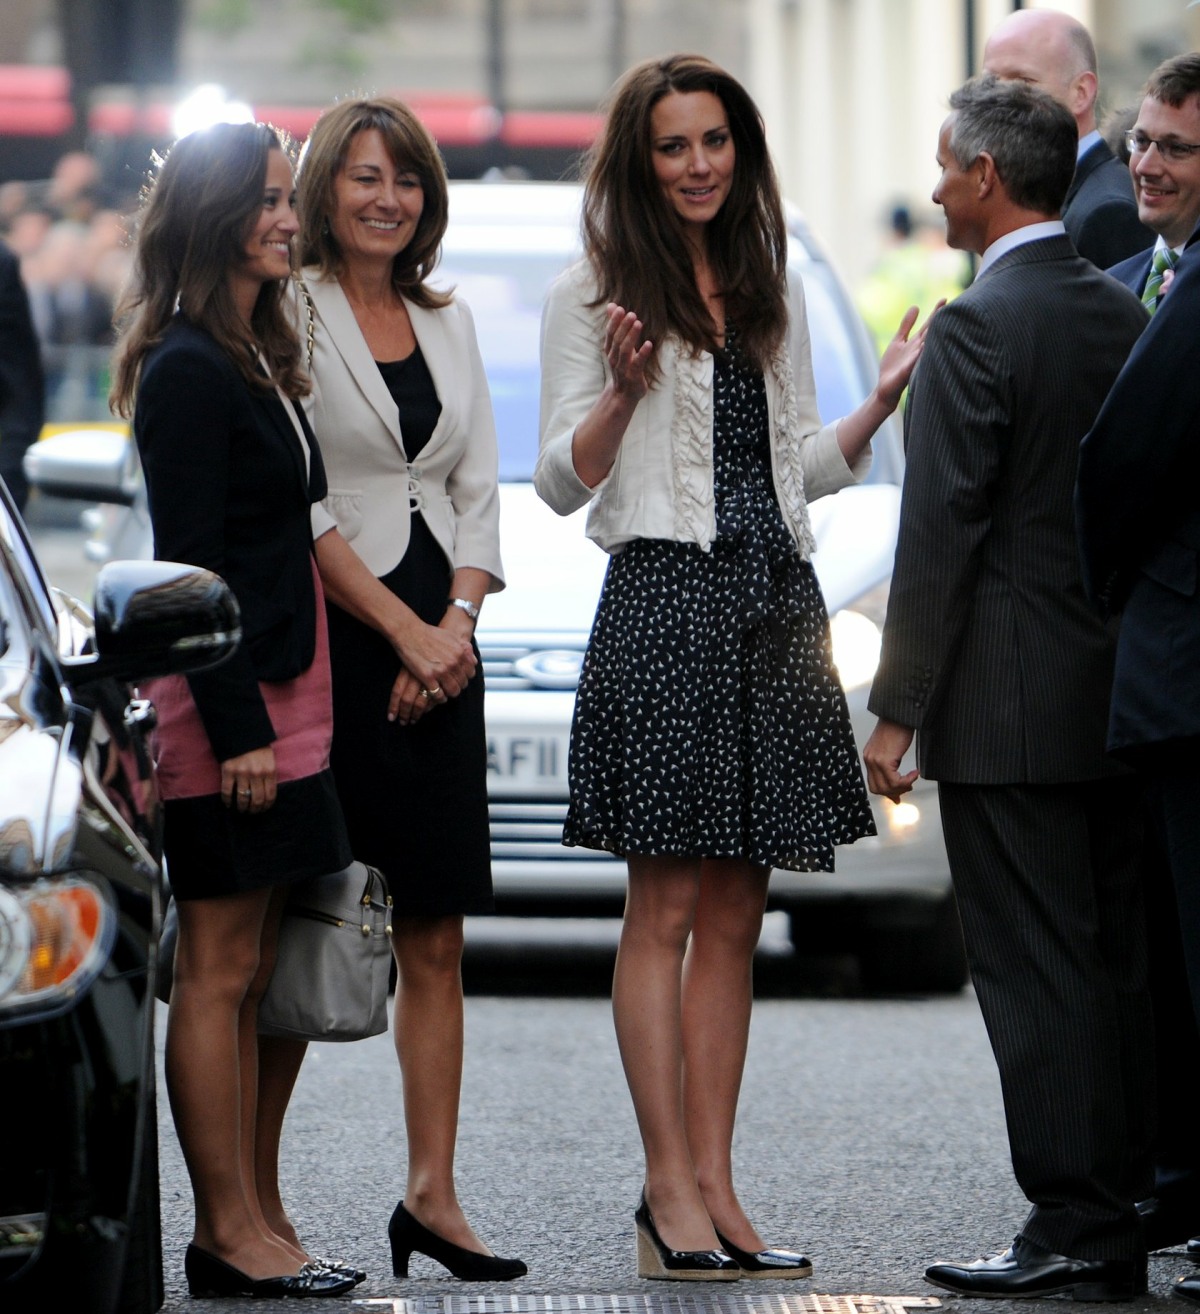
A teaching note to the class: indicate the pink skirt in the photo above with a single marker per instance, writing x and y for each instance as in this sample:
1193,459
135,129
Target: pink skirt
301,711
214,850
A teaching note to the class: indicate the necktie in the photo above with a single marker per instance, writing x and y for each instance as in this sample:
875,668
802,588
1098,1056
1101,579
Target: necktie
1164,259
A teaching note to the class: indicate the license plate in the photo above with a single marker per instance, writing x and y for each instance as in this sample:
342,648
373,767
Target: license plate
534,763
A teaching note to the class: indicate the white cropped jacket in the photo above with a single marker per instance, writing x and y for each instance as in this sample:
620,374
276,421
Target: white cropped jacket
661,484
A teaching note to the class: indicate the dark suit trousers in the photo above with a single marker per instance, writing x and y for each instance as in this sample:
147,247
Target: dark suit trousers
1177,1051
1174,807
1047,881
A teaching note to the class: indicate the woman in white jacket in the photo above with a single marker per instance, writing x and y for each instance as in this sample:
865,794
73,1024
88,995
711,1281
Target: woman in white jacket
711,739
401,400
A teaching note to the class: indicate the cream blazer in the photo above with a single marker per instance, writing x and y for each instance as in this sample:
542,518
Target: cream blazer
373,487
661,484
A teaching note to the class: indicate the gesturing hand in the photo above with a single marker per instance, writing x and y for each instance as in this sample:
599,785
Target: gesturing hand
901,355
625,352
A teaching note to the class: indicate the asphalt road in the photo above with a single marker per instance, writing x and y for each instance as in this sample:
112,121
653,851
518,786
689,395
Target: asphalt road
871,1133
871,1136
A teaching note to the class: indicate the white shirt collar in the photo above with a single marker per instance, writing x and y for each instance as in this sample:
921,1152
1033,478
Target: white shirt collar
1086,143
1018,237
1160,243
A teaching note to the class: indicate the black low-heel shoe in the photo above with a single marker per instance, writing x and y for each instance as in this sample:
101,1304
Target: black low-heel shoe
767,1263
406,1235
337,1266
657,1261
209,1276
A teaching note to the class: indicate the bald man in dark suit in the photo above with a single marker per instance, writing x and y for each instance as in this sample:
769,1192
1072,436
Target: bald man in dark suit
1051,50
993,657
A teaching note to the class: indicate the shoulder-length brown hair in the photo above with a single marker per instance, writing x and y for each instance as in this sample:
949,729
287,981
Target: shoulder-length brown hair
191,233
635,241
410,147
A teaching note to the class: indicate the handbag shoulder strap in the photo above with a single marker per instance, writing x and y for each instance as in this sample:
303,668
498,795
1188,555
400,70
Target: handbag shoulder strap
310,328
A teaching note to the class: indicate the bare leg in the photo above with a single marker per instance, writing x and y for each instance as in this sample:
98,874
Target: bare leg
718,989
210,1062
279,1063
429,1045
647,1011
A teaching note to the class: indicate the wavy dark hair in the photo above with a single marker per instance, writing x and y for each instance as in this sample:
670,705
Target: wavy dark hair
192,228
635,241
412,148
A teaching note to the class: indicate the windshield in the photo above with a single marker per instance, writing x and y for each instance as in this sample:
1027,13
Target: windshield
504,282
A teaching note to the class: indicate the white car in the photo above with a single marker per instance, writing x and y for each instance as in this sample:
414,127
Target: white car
890,901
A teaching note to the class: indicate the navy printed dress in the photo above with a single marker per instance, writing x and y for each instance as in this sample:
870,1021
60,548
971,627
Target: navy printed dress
709,720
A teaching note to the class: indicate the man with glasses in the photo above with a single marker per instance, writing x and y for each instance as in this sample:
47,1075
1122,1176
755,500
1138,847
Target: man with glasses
1051,50
994,659
1164,163
1164,145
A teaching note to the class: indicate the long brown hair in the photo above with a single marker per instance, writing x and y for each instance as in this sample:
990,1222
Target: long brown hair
410,147
192,229
635,242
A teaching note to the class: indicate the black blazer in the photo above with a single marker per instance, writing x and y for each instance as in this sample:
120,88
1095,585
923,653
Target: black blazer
227,490
22,388
990,647
1100,212
1138,504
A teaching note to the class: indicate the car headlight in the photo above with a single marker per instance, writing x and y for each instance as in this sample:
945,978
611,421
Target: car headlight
55,937
857,636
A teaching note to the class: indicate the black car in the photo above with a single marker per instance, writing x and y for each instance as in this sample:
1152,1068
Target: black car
80,893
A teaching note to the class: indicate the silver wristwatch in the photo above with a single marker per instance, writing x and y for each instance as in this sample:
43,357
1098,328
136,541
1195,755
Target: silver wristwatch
466,605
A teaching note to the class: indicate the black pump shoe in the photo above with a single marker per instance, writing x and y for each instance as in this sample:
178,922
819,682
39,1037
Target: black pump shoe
657,1261
767,1263
209,1276
406,1235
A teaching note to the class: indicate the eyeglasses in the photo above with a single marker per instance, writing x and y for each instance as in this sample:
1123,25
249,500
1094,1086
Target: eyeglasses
1178,151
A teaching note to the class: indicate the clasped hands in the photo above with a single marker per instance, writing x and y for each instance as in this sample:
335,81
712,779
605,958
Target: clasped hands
438,663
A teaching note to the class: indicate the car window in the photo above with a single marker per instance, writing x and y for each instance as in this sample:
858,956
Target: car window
504,281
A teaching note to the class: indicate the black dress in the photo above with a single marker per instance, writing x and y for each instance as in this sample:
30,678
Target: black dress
414,797
709,720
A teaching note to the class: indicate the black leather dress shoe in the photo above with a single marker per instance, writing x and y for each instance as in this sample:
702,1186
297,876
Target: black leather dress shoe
1166,1224
1026,1270
1188,1288
1193,1250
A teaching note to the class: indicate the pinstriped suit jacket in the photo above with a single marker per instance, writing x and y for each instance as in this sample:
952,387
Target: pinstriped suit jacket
990,648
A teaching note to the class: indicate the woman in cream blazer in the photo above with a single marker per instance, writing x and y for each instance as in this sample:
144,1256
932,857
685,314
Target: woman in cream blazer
401,403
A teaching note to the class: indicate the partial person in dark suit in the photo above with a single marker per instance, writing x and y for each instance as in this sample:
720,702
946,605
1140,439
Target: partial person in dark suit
22,387
1055,52
1164,163
992,655
1139,525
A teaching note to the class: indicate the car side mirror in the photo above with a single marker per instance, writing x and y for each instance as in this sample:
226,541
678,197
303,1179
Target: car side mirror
157,618
94,465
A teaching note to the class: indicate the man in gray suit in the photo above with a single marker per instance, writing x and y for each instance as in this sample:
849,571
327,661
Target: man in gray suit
1052,50
992,655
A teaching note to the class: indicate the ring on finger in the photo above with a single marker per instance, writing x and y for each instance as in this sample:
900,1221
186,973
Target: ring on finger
246,793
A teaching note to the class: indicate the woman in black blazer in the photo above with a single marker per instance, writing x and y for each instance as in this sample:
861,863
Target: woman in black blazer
211,370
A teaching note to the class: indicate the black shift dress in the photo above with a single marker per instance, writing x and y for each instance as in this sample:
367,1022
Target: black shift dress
709,720
414,797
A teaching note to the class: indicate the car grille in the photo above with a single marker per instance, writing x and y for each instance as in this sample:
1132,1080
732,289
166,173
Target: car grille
547,661
532,831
